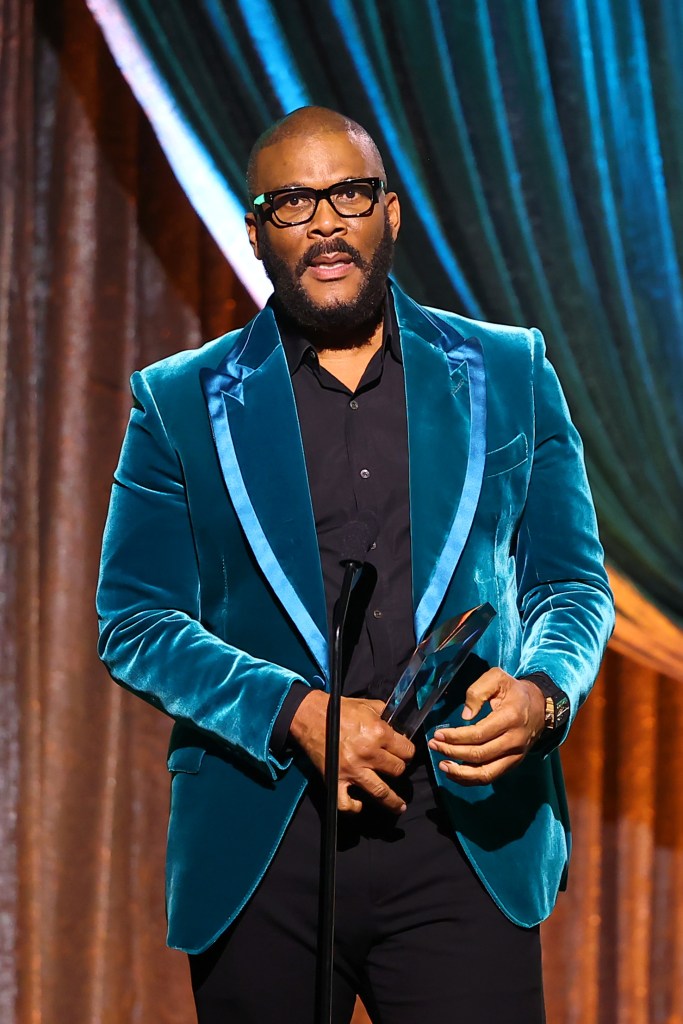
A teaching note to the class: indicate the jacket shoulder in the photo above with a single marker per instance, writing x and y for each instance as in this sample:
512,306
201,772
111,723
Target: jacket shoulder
185,365
506,335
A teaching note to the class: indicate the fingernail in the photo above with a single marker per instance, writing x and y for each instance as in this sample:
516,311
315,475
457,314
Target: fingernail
432,744
445,765
438,735
466,713
404,807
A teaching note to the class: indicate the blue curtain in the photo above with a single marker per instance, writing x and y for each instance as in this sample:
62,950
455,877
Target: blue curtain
537,147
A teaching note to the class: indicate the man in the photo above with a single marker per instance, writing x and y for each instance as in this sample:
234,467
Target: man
242,465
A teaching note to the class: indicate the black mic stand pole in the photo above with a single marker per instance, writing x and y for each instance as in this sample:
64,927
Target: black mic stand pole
352,570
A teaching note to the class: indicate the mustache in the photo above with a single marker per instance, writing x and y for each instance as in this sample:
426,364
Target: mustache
326,248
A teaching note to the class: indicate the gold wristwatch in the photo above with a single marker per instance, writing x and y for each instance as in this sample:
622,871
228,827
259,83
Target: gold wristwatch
556,704
556,701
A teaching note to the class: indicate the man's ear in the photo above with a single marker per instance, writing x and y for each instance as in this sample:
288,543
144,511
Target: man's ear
252,231
393,208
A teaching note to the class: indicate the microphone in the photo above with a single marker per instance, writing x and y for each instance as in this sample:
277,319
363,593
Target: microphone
358,538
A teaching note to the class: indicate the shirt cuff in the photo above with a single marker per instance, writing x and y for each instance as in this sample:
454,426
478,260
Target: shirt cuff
279,736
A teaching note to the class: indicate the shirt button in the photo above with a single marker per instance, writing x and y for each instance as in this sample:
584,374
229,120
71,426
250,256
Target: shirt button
365,473
373,545
353,404
377,613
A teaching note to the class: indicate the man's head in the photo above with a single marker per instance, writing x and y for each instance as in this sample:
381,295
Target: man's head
329,274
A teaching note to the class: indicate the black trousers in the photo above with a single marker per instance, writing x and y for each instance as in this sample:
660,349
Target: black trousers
417,936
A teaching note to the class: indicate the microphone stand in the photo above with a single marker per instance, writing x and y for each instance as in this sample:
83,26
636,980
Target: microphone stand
352,570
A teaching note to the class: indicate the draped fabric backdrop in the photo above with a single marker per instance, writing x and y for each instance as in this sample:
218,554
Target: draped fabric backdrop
104,267
537,147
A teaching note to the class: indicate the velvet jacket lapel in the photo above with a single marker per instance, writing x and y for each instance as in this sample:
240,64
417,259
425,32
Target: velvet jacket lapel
257,436
258,440
446,405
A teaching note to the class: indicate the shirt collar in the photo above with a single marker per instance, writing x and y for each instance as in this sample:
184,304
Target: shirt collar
297,346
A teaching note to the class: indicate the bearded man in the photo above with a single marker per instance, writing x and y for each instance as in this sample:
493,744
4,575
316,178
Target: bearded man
242,465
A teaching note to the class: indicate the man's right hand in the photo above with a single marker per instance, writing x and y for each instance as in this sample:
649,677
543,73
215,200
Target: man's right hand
367,746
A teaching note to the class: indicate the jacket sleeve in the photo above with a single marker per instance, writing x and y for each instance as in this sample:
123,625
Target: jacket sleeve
148,603
564,596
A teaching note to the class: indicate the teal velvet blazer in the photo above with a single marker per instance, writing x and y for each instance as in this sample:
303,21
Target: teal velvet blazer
211,597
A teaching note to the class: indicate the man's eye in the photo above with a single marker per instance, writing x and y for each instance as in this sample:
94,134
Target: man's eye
294,201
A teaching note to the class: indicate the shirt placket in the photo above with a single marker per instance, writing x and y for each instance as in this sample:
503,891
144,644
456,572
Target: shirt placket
363,456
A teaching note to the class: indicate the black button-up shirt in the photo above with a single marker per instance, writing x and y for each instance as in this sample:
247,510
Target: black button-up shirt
356,448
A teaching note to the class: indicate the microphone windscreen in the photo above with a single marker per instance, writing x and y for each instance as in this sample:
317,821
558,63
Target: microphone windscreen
359,536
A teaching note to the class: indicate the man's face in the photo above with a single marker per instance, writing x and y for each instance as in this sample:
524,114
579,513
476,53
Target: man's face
329,274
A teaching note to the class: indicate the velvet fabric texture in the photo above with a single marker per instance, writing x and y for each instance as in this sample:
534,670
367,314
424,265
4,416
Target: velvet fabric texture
211,598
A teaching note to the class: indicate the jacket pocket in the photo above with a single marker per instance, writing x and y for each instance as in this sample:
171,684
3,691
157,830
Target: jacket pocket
186,759
502,460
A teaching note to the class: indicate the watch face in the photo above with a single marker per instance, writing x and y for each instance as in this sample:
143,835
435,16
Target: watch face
556,711
561,710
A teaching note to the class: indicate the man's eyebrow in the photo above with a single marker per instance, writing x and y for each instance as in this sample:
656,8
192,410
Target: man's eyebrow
301,184
290,184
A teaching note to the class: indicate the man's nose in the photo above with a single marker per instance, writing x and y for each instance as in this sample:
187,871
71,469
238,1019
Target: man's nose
326,221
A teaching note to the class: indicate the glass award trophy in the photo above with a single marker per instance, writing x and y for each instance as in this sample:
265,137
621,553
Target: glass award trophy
431,668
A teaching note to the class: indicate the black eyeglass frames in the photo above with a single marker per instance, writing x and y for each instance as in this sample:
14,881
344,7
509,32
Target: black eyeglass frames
287,207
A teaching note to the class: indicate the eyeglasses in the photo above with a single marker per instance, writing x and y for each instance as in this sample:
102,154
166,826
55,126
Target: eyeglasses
287,207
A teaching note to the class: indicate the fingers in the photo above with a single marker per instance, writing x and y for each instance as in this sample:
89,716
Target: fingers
399,746
392,741
355,772
380,791
480,763
478,754
467,775
484,688
496,723
365,735
375,787
510,709
388,764
514,742
368,747
345,802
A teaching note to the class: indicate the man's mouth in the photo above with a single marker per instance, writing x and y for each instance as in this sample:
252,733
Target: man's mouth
328,258
330,266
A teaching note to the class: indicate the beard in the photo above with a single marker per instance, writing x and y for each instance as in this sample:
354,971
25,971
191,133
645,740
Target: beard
339,324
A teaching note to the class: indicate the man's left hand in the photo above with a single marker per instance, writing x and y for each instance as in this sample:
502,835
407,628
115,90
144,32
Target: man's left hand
500,740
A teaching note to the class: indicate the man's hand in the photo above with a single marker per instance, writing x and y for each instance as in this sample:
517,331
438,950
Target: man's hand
367,746
501,739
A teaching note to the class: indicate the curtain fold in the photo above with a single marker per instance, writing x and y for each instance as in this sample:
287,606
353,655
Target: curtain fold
537,148
104,267
643,633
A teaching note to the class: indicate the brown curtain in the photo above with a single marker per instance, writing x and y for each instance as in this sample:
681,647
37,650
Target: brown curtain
103,268
643,633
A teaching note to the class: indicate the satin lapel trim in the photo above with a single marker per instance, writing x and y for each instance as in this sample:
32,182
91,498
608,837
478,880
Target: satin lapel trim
258,441
464,376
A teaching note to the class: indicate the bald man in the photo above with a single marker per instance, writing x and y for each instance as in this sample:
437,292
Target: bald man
242,465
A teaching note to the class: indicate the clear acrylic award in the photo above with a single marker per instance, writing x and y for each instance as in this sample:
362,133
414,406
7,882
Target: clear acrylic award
432,667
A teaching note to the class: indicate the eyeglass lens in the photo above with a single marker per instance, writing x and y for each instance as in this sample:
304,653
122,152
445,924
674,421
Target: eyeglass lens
348,199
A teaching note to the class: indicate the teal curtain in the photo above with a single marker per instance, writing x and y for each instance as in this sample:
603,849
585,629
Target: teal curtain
537,147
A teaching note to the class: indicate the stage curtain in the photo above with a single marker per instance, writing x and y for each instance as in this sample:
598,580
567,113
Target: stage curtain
105,267
537,148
